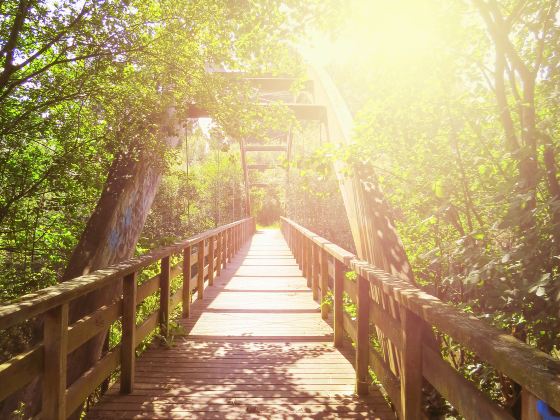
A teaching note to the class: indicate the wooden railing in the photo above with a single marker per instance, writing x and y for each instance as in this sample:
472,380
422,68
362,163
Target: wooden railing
208,253
405,317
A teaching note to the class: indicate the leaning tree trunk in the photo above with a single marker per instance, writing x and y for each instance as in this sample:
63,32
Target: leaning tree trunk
112,232
110,236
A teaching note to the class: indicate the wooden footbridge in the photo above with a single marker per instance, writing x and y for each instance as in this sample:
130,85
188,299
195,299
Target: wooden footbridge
271,324
253,341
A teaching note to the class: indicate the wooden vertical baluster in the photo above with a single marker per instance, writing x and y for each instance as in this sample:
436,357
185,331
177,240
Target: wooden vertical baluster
200,268
304,257
164,297
301,251
324,283
338,305
309,262
210,261
187,274
230,244
362,341
219,254
55,343
297,249
238,236
225,248
529,406
315,270
128,341
411,365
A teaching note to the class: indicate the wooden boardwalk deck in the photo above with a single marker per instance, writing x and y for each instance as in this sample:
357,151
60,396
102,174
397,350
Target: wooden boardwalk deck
256,348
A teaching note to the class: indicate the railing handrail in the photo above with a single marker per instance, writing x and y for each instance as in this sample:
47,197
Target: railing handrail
215,248
33,304
534,370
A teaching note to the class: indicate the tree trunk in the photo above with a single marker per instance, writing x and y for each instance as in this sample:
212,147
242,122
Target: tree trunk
110,236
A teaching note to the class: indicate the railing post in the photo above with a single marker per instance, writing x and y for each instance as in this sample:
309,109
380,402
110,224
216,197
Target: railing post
164,297
338,305
304,257
315,270
219,254
529,406
324,283
308,262
225,248
238,229
362,341
230,245
295,249
411,365
187,274
128,341
55,342
210,260
200,270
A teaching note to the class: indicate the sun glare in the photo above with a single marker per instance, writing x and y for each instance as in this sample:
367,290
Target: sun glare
380,29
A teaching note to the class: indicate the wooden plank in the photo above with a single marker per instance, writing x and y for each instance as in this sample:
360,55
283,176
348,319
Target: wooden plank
350,326
351,288
390,382
219,254
411,365
186,286
146,327
264,346
200,271
532,368
55,344
20,370
175,299
36,303
231,247
362,338
315,271
225,249
164,297
308,273
211,248
338,309
128,340
390,326
91,325
324,283
462,394
521,363
90,380
529,406
147,288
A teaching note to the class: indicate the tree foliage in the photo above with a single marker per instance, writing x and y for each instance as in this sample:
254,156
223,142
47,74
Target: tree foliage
462,133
